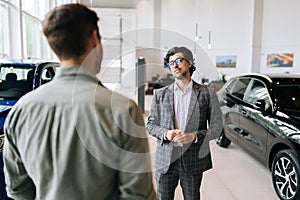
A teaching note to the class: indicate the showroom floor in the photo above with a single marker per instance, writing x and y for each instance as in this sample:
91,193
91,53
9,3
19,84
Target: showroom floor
235,176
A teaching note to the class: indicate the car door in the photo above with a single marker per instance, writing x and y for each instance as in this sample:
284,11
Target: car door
254,120
233,99
45,72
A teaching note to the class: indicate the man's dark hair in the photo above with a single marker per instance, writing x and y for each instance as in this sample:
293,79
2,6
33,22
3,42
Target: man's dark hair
187,54
67,29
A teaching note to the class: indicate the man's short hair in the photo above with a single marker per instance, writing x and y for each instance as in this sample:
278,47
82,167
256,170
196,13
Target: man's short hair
187,54
67,28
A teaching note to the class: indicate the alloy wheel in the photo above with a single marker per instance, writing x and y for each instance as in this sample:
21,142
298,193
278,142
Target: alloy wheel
285,178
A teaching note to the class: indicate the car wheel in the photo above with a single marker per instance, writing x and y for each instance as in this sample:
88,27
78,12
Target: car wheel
223,141
286,175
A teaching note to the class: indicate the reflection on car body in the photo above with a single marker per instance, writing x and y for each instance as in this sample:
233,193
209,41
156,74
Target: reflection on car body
262,115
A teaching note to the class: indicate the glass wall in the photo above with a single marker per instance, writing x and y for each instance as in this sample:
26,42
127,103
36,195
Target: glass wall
21,34
3,33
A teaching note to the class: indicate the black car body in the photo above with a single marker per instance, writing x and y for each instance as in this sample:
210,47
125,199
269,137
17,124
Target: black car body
262,115
17,79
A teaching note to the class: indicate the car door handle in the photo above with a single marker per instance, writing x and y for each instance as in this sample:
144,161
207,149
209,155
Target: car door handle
243,111
240,131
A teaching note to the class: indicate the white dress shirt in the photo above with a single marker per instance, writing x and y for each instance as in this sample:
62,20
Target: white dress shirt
181,105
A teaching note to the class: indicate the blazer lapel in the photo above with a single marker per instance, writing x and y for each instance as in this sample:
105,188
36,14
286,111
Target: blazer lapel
170,96
194,98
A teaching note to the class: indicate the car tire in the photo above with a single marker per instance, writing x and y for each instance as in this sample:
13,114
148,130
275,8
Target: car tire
286,175
223,141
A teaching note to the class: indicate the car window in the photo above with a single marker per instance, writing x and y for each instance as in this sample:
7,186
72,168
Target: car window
257,91
239,88
230,85
47,74
288,96
15,81
225,89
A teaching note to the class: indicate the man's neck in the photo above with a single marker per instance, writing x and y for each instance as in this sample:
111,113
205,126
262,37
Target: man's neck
70,62
183,83
79,63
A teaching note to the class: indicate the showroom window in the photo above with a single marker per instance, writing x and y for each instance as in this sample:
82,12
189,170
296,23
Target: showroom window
2,52
33,13
24,39
36,8
3,34
31,37
35,44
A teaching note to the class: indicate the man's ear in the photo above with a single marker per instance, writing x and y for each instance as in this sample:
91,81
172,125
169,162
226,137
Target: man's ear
95,39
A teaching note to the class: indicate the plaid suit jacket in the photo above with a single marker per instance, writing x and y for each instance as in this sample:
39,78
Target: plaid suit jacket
204,119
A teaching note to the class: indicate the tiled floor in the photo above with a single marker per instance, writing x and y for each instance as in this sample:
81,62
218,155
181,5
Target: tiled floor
235,176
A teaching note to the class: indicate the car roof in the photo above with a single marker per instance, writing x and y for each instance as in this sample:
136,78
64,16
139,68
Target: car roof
271,76
22,63
17,64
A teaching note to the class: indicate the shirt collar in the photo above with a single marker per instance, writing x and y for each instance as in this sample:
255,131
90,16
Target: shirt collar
73,71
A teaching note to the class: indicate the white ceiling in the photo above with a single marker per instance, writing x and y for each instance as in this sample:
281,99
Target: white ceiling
111,3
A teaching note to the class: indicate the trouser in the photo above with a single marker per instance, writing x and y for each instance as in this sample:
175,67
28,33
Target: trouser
167,183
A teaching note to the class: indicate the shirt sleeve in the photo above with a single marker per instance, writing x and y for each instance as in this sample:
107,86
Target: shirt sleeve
18,184
135,178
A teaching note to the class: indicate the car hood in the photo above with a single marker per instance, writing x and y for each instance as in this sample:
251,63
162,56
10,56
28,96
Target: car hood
5,107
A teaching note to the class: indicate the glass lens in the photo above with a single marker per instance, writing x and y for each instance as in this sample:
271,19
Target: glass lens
177,61
171,63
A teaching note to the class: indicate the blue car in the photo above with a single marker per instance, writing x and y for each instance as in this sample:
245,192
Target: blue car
17,79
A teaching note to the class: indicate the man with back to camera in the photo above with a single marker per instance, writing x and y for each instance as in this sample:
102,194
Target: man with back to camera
178,119
72,138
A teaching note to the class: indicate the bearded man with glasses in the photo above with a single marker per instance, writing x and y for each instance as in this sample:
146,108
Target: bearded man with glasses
184,117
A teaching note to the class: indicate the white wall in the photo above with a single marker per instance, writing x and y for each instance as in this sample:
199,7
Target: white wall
118,31
281,31
234,31
248,29
145,21
230,23
149,37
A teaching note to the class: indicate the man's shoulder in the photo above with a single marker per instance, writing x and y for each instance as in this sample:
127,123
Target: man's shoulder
115,99
199,85
165,89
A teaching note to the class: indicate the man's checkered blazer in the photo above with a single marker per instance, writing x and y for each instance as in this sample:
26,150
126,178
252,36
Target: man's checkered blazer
204,119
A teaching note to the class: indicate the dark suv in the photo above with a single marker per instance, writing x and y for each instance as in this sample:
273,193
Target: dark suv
262,115
17,79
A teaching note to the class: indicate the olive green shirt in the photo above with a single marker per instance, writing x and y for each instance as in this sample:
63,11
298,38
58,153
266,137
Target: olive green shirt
74,139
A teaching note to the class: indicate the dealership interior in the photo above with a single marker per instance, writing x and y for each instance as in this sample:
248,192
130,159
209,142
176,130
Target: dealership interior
227,38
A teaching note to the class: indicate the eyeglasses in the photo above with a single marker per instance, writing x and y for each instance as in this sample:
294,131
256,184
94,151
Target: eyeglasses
177,61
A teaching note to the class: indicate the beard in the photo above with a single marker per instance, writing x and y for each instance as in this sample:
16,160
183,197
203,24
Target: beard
181,76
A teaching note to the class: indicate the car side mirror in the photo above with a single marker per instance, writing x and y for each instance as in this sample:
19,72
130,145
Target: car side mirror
261,103
230,103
